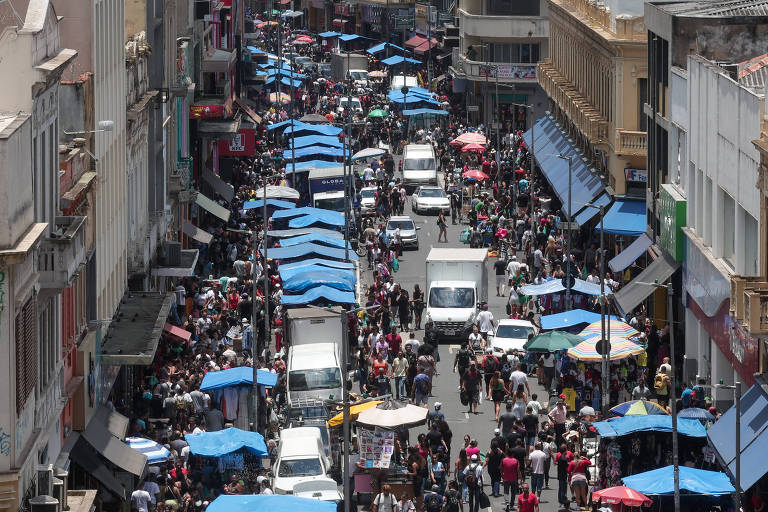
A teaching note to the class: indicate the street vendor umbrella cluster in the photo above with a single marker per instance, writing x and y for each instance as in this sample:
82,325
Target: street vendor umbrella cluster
621,495
279,97
621,348
392,414
473,146
469,138
637,408
552,341
475,174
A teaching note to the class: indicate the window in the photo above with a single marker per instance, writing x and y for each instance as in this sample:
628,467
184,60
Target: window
512,8
729,226
751,251
26,352
308,380
516,53
452,297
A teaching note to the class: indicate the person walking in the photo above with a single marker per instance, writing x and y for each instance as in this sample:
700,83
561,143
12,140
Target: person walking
399,369
558,415
470,384
577,469
537,462
492,464
473,477
441,223
511,474
385,501
562,461
527,501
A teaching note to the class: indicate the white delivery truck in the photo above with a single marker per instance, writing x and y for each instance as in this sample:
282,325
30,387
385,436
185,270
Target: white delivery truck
457,282
314,371
419,165
307,326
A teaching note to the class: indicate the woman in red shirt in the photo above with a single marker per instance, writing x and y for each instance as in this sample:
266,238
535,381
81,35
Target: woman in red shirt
577,469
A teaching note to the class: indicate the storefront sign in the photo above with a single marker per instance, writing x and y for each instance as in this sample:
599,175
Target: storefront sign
519,72
243,143
206,111
330,184
376,447
672,218
638,175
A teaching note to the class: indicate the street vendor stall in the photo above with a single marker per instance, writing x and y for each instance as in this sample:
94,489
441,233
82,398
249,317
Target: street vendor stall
228,450
699,488
271,502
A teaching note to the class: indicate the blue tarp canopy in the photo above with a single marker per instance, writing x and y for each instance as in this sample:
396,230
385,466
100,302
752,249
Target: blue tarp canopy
754,436
271,502
398,97
282,65
253,49
284,81
424,112
693,480
373,50
328,35
308,220
222,442
311,164
551,142
338,279
287,273
275,126
289,233
630,254
625,217
319,292
276,203
285,72
289,154
570,318
625,425
331,241
305,210
352,37
317,140
398,59
317,261
582,217
308,248
236,377
556,285
321,129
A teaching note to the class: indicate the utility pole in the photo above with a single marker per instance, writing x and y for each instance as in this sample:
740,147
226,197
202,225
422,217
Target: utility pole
604,367
570,221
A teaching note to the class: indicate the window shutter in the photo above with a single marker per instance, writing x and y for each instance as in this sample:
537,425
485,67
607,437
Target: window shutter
26,352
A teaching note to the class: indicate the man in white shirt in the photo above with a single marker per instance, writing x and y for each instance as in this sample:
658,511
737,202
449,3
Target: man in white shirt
140,499
368,175
485,321
513,267
592,277
412,342
537,460
518,377
154,491
538,258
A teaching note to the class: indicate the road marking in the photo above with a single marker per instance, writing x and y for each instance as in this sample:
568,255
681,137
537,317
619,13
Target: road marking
466,415
453,348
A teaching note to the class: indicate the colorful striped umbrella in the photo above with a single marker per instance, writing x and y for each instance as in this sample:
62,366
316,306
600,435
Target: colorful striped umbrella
621,494
282,97
620,348
469,138
637,408
619,329
155,452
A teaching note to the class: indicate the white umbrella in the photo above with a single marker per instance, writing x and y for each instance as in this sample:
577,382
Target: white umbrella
368,153
277,192
408,416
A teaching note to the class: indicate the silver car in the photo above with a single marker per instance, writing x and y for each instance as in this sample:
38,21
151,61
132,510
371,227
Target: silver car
430,199
408,230
368,199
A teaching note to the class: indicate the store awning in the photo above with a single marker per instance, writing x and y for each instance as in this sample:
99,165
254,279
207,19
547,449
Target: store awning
288,273
425,47
222,442
309,249
331,241
195,232
325,293
185,267
625,425
692,481
271,502
631,295
83,454
113,449
625,217
588,213
177,332
328,35
753,433
221,187
316,140
549,145
571,318
415,41
212,206
399,59
629,255
115,422
218,61
133,335
425,112
245,107
274,203
219,127
242,375
373,50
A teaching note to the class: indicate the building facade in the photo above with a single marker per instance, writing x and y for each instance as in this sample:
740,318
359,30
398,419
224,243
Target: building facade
595,79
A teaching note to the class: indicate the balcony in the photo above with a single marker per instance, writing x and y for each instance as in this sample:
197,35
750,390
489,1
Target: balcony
504,27
579,110
756,310
180,181
507,73
631,143
62,253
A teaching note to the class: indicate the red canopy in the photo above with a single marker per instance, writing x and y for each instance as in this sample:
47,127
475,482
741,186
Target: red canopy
415,41
472,146
621,494
177,332
475,174
426,45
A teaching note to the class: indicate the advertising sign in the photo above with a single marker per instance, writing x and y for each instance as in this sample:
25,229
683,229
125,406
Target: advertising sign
329,184
637,175
376,447
206,111
509,71
672,217
243,143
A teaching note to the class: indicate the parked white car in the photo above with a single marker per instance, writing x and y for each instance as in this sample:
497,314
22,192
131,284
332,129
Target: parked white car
511,335
367,199
430,199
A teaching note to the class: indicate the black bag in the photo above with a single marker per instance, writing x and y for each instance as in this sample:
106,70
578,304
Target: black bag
464,397
434,503
484,501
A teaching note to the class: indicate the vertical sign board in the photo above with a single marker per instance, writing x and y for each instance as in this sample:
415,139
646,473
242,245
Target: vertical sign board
672,216
243,143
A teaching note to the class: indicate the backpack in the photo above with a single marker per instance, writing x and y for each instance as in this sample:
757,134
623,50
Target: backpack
506,371
422,386
452,501
658,382
491,364
471,478
463,358
434,503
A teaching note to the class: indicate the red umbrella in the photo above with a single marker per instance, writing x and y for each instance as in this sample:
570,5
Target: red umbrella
304,39
473,147
520,171
475,174
621,494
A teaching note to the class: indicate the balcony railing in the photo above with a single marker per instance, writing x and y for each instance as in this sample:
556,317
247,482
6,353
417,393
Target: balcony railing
587,119
507,73
631,143
756,310
62,253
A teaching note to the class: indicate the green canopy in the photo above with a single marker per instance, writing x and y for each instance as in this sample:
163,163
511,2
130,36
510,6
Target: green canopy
377,113
275,12
552,341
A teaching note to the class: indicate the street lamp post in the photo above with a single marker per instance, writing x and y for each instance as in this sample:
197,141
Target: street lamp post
737,398
570,221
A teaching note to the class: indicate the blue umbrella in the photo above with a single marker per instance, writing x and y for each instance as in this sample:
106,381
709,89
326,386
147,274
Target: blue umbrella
696,413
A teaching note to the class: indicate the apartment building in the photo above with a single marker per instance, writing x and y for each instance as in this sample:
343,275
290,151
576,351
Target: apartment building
500,45
595,79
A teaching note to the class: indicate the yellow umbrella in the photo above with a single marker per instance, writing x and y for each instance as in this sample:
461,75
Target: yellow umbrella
354,411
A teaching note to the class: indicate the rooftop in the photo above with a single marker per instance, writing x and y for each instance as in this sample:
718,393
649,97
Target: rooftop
703,9
753,72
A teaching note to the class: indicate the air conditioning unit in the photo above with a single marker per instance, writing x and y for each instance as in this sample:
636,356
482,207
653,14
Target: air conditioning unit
59,491
63,475
45,479
44,504
172,254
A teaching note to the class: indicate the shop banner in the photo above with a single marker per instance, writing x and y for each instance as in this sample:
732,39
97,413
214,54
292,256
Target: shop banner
243,143
206,111
522,71
376,447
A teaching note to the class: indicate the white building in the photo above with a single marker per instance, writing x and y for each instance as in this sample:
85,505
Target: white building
39,250
715,113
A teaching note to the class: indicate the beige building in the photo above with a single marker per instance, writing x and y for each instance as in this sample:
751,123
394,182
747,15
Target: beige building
596,80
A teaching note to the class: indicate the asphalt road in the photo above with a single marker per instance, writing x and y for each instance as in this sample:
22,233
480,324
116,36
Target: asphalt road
445,389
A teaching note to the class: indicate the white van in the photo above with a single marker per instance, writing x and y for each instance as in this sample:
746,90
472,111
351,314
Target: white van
419,165
314,371
300,457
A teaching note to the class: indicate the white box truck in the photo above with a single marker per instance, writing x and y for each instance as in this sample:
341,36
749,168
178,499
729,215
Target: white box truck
419,165
305,326
457,282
